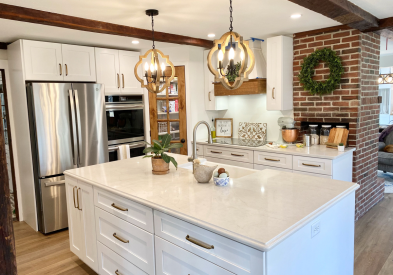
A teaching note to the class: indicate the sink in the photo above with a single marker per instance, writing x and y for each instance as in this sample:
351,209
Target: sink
188,165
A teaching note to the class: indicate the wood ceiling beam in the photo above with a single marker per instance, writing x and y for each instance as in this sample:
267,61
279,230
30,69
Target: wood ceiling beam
64,21
386,23
342,11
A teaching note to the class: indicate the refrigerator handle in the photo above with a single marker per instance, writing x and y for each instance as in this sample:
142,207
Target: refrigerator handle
73,122
78,118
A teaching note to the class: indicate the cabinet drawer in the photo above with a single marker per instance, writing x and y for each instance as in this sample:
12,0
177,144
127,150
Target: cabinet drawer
263,167
233,256
110,263
312,165
229,154
231,162
173,260
127,240
314,174
125,209
200,150
273,159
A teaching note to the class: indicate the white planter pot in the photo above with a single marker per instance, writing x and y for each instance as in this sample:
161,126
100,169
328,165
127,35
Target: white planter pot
341,148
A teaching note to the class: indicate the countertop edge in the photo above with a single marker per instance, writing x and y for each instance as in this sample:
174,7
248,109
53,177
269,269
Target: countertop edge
219,230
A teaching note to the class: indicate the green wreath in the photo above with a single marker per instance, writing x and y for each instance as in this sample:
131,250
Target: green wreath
307,72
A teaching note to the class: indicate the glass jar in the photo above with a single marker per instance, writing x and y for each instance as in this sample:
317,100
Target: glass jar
313,130
325,132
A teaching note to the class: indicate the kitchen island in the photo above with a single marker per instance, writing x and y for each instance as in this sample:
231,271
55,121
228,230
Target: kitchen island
124,219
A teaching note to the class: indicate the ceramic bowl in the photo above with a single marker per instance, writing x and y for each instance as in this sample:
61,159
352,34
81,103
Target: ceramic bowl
221,181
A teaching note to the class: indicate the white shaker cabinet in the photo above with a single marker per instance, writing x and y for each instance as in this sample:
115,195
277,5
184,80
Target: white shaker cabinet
81,221
46,61
43,61
79,63
115,69
212,102
279,88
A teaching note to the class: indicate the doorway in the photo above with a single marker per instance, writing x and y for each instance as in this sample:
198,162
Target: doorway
168,111
8,146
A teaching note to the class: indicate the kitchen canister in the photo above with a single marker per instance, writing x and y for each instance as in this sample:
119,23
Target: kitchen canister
307,140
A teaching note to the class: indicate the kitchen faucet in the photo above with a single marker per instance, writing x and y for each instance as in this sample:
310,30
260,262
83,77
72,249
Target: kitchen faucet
209,139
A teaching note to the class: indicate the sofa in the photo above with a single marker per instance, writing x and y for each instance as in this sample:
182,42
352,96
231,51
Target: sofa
385,160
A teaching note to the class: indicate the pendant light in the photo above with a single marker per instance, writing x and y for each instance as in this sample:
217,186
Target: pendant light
385,79
226,49
154,78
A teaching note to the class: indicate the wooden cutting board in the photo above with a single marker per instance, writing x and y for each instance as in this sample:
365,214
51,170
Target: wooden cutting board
338,135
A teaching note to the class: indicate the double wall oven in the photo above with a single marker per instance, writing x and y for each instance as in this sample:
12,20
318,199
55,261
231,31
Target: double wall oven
125,124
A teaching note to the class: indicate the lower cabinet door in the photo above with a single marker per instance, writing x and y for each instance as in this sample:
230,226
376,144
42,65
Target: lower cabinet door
173,260
111,263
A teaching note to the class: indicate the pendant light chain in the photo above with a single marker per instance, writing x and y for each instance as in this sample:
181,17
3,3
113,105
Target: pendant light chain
230,17
152,29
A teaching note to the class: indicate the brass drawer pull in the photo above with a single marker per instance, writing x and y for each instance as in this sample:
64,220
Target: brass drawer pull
215,152
312,165
61,70
119,207
122,75
118,273
209,97
273,93
237,155
66,69
118,81
272,159
73,195
77,198
198,242
120,238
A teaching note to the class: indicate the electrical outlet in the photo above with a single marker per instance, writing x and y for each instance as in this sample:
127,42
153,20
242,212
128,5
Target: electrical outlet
315,229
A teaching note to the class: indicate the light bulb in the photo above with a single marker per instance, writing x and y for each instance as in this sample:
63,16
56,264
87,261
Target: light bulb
146,66
220,55
390,78
151,67
231,54
163,66
380,80
242,55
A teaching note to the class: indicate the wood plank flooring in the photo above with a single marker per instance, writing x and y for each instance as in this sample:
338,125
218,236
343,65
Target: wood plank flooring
39,254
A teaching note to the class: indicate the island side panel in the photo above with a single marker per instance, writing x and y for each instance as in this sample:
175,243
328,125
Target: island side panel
342,167
331,251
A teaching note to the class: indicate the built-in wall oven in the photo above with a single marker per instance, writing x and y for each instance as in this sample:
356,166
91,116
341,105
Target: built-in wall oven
125,124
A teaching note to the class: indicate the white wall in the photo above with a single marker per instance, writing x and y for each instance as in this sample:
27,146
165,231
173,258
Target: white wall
386,60
3,55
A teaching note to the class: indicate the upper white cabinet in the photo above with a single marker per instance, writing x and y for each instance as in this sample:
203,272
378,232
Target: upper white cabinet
115,69
212,102
279,73
58,62
43,61
79,63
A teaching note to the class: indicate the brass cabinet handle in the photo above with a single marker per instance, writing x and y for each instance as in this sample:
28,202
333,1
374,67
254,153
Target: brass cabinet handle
66,69
77,198
61,69
122,76
272,159
120,238
313,165
118,81
273,93
209,97
198,242
216,152
73,195
119,207
237,155
118,273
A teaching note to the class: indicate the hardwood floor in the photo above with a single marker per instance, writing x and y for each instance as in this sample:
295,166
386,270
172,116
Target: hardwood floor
39,254
50,254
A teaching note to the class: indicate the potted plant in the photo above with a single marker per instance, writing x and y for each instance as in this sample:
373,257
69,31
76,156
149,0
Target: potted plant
159,159
341,147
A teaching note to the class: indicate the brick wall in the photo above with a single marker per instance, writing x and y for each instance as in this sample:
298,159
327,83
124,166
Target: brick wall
353,102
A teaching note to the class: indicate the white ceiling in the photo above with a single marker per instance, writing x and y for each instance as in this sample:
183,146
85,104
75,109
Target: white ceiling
252,18
379,8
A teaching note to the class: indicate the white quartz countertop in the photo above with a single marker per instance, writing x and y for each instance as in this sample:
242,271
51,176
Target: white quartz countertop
258,208
316,151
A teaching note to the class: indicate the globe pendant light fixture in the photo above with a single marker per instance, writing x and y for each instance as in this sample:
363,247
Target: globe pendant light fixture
226,49
154,78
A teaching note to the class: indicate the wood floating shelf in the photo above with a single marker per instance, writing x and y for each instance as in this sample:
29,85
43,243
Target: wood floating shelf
250,87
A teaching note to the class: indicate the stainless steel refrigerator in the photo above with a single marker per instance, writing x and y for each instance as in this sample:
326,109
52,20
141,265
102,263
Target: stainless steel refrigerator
67,130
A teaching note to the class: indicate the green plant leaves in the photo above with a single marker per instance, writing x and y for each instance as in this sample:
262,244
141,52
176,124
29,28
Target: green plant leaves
166,158
307,72
160,147
175,145
166,140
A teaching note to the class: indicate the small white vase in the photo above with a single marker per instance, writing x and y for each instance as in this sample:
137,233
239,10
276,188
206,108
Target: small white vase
341,148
